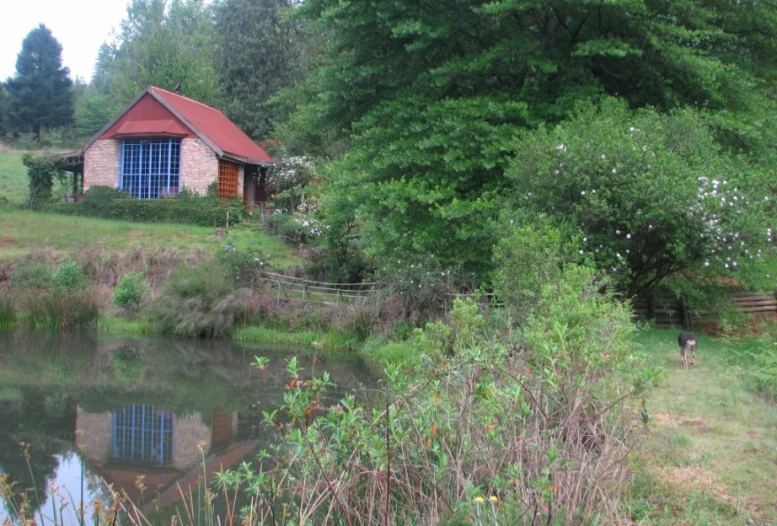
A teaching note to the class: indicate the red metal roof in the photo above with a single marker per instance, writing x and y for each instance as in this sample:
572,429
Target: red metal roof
160,112
147,116
215,126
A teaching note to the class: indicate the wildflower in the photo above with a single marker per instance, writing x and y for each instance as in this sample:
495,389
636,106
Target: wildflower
480,500
493,498
582,193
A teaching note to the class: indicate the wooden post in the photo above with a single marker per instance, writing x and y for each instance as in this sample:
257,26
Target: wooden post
304,291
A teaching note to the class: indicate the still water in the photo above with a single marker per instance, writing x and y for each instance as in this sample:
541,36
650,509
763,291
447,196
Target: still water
91,411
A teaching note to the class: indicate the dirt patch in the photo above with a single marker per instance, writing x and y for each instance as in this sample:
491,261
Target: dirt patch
664,419
6,242
692,477
697,424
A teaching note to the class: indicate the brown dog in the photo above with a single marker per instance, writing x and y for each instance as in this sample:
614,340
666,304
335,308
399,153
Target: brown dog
687,342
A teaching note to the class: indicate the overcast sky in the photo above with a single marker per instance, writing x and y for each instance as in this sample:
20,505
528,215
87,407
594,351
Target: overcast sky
80,26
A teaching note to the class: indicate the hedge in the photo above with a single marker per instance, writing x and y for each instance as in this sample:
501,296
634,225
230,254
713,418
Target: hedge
187,208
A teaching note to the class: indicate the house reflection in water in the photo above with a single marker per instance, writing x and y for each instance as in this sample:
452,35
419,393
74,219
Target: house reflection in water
164,448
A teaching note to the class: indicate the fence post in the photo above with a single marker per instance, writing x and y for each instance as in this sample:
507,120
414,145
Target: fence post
304,291
279,292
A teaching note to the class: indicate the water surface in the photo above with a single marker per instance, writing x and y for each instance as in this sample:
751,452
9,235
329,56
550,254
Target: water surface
78,412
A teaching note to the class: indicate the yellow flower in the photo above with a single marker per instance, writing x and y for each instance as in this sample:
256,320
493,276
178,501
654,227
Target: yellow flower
493,498
480,500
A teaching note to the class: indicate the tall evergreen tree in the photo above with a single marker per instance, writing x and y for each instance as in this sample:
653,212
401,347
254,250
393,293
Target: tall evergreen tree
259,53
40,95
3,109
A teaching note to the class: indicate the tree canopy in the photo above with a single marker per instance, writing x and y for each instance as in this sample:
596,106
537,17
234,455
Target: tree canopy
39,94
259,52
428,97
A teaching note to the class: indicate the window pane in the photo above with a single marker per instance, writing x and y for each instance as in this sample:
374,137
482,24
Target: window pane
151,168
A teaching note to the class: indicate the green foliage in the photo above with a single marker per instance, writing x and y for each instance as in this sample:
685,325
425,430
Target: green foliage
93,111
199,301
554,413
43,172
531,254
68,277
419,103
128,362
107,203
31,276
161,43
7,312
130,291
39,94
650,195
77,309
4,109
259,53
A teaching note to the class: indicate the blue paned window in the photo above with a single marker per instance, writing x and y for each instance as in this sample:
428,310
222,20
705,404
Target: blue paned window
142,433
150,168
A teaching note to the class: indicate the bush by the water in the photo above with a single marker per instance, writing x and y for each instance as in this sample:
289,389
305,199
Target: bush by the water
199,301
187,208
68,277
130,291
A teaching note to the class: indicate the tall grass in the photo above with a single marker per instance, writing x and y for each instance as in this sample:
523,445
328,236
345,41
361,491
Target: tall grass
7,312
78,309
328,339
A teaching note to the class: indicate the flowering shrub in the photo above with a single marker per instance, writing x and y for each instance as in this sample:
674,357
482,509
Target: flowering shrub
289,171
649,195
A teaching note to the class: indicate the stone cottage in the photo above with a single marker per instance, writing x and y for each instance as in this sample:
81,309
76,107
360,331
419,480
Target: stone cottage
163,142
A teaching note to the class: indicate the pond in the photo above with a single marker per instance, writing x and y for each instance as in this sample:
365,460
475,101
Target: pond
78,412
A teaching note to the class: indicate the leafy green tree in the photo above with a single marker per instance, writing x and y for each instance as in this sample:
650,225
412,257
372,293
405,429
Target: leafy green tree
40,95
647,195
161,43
259,52
427,96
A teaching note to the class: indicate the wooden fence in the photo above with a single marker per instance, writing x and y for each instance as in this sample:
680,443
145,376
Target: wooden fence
666,309
669,311
290,287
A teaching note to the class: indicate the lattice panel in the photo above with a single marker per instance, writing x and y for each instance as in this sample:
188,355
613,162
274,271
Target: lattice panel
227,179
151,168
142,433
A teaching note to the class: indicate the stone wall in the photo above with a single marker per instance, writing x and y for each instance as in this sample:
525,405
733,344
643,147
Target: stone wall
94,436
199,166
189,431
101,164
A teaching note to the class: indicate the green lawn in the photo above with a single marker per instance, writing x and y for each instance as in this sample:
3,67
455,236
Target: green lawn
22,231
13,176
710,449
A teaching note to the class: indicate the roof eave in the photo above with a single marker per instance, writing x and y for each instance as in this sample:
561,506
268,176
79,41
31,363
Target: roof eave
246,160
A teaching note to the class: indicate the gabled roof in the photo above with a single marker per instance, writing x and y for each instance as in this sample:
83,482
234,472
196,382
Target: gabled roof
207,123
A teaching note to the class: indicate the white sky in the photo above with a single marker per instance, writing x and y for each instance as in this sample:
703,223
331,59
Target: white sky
80,26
